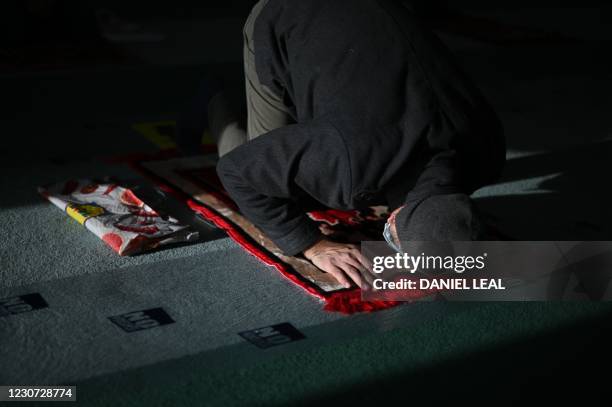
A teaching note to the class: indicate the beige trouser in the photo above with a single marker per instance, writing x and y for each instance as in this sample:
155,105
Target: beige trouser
265,110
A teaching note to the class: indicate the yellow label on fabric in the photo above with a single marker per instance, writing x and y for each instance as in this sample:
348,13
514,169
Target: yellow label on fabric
162,134
159,133
81,213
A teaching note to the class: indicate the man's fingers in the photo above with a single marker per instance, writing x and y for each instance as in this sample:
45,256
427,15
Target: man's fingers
368,276
339,275
343,261
354,274
363,261
363,271
365,266
355,263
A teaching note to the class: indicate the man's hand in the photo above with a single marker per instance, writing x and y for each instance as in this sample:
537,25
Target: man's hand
342,260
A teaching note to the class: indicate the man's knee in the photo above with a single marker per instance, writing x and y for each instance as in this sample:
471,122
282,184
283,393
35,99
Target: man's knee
451,217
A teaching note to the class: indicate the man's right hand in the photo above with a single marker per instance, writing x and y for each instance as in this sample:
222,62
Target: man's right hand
342,260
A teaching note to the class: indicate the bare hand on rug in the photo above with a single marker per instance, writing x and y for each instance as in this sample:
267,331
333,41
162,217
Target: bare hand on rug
342,260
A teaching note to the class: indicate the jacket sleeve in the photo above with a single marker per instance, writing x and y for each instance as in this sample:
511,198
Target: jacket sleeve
260,177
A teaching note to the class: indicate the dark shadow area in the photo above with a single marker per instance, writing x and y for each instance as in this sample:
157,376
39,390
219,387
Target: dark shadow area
590,265
574,202
50,35
567,364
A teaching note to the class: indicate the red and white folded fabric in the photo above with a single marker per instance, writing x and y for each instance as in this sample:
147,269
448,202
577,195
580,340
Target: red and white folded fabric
117,216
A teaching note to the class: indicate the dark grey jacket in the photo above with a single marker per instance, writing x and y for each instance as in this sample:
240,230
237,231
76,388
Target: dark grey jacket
383,113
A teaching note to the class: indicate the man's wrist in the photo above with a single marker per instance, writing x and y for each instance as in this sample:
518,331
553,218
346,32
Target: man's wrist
297,240
311,251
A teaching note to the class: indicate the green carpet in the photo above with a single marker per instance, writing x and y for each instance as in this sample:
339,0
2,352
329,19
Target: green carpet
493,342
